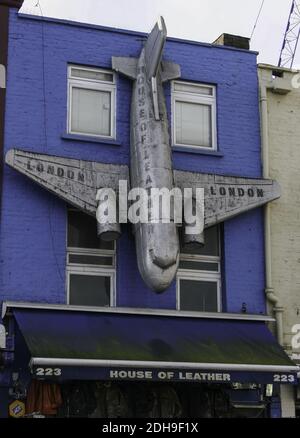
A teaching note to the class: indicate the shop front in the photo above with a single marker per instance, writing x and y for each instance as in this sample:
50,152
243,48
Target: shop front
110,363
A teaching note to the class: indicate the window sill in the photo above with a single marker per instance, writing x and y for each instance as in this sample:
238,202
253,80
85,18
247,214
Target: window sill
91,139
190,150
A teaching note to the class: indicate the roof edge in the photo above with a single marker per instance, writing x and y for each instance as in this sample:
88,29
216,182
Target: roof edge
130,32
277,68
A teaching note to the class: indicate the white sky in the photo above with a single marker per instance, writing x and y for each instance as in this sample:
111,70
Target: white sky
200,20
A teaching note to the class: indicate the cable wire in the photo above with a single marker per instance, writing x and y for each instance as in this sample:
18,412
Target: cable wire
257,18
46,137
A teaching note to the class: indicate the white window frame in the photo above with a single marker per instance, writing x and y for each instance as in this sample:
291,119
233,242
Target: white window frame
94,270
92,252
201,275
189,97
97,85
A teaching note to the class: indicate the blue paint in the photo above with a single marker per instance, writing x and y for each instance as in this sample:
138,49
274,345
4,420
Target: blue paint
275,408
33,250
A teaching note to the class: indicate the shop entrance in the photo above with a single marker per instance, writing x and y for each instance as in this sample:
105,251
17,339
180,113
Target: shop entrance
104,399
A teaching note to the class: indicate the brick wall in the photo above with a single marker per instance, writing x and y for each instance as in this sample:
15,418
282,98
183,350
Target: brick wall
284,147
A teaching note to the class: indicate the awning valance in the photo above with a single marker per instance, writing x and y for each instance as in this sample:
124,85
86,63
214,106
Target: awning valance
114,345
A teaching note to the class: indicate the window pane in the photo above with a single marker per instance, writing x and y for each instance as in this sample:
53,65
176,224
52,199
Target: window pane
193,124
90,260
82,232
211,245
90,74
91,111
193,88
89,290
198,296
198,266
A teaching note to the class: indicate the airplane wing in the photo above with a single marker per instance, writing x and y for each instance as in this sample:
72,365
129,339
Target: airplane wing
169,71
77,181
125,65
226,197
74,181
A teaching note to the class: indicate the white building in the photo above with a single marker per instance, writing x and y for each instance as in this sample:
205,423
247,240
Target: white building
280,106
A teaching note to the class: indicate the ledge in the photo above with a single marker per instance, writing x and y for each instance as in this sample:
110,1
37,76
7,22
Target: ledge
7,305
190,150
91,139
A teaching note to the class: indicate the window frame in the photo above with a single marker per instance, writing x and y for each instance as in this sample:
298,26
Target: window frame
189,97
94,85
70,251
201,275
93,270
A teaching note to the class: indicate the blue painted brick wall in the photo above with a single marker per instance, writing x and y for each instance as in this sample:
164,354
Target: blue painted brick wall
33,222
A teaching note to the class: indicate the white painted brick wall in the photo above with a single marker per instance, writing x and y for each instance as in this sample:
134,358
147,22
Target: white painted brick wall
284,141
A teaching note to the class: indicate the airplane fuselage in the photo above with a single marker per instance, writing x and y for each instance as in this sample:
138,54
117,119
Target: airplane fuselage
157,244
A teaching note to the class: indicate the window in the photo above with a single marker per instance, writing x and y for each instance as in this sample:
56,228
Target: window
199,275
90,263
91,106
194,115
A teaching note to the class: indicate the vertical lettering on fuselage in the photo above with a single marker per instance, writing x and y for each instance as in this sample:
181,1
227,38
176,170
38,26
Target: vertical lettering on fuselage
142,126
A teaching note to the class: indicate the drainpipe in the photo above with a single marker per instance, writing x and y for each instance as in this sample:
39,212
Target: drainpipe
272,298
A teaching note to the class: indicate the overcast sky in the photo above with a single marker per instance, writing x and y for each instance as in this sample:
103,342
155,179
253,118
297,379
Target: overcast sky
200,20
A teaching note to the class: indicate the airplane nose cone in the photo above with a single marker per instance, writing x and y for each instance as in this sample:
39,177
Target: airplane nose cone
156,278
157,255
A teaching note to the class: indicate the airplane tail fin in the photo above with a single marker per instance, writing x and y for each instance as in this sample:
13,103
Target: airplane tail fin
154,48
153,58
153,54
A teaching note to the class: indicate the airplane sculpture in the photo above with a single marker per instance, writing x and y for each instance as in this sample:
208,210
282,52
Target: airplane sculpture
77,181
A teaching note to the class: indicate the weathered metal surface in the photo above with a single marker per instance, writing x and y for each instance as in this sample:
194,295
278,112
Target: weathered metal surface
157,245
154,48
126,66
75,181
169,71
107,229
226,197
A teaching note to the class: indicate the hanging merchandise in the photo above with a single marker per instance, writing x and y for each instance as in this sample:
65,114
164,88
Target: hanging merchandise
100,395
169,405
116,401
219,403
44,398
144,401
78,400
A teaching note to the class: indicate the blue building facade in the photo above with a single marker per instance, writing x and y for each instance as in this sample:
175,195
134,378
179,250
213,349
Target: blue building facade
34,222
38,47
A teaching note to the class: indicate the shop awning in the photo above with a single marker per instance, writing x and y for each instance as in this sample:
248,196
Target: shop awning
114,344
